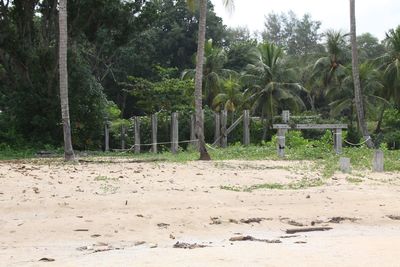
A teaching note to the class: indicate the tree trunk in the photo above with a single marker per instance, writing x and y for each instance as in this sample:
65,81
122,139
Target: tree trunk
358,98
198,81
63,45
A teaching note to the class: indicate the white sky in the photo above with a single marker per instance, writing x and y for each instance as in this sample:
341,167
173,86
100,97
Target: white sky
374,16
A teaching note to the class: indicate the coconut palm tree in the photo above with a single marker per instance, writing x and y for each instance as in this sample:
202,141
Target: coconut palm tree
269,84
231,98
390,64
358,96
63,71
213,72
199,73
330,69
344,103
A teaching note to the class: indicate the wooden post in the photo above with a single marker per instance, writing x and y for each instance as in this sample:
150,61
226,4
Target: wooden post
154,133
217,129
123,136
224,136
285,116
281,142
193,131
337,140
246,127
137,134
377,164
174,133
203,122
106,137
344,164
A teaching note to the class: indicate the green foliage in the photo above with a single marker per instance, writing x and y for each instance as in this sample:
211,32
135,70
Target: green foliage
391,124
298,37
167,95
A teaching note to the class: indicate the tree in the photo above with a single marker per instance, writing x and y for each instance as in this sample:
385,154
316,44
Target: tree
199,75
369,47
298,37
358,96
63,71
270,84
213,72
343,97
390,64
231,98
328,71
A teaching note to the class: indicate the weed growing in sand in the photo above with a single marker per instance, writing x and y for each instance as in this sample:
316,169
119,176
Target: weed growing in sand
301,184
101,178
109,189
231,188
353,180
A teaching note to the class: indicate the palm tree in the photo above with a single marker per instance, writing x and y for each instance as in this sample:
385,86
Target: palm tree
63,46
358,97
330,70
390,64
213,72
269,84
343,96
199,74
231,98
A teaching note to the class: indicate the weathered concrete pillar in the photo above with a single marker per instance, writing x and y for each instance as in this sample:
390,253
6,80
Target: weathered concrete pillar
337,140
377,165
106,137
137,134
281,142
246,127
154,133
224,121
285,116
217,129
344,164
174,133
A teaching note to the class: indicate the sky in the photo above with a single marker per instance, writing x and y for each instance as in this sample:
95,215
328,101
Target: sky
373,16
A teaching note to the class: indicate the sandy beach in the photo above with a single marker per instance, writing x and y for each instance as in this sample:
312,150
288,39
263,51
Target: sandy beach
121,212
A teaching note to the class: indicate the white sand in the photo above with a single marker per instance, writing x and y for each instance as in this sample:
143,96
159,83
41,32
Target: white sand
43,204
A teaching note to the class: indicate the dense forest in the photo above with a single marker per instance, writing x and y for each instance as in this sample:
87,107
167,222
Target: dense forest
137,58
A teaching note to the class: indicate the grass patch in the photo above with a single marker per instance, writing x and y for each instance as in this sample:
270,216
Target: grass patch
354,180
102,178
302,184
321,153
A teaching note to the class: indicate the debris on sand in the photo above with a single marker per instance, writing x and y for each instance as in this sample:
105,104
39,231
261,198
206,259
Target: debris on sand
188,246
162,225
252,220
98,247
138,243
250,238
47,259
215,220
341,219
294,223
310,229
394,217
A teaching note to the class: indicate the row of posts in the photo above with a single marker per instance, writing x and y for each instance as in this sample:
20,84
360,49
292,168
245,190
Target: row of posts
220,132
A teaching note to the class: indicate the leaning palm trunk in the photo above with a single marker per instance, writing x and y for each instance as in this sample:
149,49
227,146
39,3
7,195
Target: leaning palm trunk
198,81
63,45
356,78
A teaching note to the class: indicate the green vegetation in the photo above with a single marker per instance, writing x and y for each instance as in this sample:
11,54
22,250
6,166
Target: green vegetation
137,58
